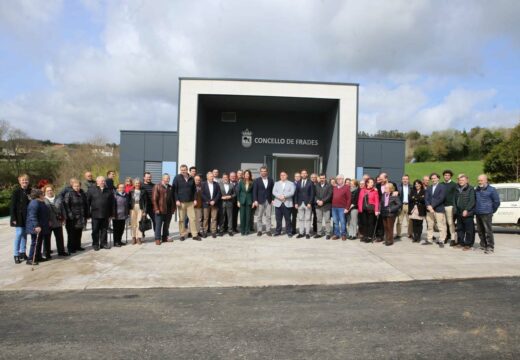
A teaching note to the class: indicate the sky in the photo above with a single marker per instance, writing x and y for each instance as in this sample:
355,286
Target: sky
72,70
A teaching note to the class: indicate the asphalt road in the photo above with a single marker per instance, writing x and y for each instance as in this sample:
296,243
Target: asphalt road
469,319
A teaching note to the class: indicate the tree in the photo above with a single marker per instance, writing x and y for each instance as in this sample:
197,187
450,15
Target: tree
503,162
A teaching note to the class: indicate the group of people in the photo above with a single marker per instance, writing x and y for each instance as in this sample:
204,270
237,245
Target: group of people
308,205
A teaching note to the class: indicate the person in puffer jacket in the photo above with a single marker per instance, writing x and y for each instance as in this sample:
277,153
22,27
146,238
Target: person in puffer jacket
487,203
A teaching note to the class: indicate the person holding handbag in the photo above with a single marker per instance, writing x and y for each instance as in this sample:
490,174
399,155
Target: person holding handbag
390,207
368,208
417,209
138,205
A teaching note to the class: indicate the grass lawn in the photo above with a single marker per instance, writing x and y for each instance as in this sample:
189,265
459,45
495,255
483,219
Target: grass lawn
470,168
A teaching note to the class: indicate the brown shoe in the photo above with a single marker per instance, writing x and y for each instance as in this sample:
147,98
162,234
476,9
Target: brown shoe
134,241
157,242
139,241
466,248
334,237
344,238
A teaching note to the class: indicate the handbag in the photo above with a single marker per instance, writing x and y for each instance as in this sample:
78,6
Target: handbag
145,224
415,214
366,206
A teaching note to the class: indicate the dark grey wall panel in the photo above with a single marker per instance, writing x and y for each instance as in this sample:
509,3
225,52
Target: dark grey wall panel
376,155
153,147
133,168
132,146
170,148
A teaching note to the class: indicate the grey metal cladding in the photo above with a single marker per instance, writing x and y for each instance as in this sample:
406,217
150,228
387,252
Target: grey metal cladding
153,147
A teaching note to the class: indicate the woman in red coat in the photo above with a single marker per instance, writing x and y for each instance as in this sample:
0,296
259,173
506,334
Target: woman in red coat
368,208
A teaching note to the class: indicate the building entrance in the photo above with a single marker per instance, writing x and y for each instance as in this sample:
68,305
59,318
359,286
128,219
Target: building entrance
292,163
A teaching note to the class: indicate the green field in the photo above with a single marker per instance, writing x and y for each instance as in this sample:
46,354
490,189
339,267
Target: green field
470,168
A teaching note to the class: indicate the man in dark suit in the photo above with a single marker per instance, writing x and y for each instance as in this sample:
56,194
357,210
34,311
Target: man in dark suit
434,198
227,200
294,210
304,197
210,202
262,199
101,207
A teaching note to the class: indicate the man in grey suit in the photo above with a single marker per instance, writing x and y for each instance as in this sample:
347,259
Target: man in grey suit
283,192
228,200
323,202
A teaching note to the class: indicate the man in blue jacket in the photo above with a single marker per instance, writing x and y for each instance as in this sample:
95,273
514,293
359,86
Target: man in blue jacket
487,204
262,198
434,198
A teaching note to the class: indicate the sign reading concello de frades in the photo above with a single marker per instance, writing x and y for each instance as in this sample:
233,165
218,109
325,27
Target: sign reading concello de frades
248,140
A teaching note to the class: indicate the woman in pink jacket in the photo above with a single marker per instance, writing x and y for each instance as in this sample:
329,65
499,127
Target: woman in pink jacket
368,207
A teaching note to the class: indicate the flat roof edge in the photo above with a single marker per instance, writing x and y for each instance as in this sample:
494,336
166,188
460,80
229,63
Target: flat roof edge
379,138
271,81
149,131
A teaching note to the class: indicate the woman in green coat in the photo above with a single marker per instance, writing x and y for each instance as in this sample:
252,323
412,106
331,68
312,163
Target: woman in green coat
245,201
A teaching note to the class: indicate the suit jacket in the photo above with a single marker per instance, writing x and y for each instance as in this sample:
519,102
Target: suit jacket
206,195
304,194
244,197
260,192
400,190
231,192
324,194
436,200
288,192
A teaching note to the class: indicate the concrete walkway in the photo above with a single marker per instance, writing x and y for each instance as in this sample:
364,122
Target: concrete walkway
252,261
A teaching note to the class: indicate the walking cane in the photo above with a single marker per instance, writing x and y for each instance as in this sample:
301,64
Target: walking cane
126,231
375,228
34,251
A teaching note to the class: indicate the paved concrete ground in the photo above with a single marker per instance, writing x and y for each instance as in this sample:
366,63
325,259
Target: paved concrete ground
253,261
463,319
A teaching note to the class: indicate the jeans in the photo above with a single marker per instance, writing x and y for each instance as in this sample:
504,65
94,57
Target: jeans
162,226
465,230
485,231
340,229
20,241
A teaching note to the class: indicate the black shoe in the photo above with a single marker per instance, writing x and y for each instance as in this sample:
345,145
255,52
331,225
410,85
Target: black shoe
327,237
269,233
196,238
277,234
17,260
316,236
214,235
259,233
182,238
299,236
63,254
189,236
47,258
116,245
71,251
230,233
204,235
453,243
80,249
441,244
397,237
23,256
290,235
30,262
96,247
41,259
307,236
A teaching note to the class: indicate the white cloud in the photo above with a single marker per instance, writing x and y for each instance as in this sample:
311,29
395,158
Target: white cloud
131,80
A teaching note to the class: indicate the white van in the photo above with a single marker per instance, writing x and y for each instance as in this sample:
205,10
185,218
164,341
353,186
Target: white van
509,210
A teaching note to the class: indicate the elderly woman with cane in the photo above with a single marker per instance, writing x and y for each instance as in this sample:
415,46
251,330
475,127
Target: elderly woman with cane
37,225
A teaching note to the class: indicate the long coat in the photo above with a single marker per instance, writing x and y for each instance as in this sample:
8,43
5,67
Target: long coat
19,202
